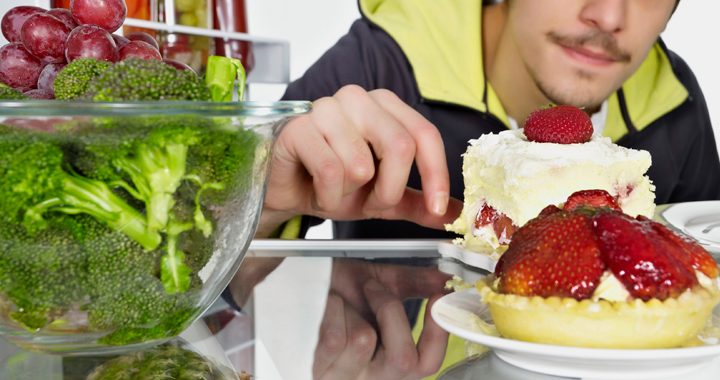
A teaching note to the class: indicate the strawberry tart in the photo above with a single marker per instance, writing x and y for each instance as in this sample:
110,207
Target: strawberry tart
589,275
510,176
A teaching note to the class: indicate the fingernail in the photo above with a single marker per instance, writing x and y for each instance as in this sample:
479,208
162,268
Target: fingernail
440,202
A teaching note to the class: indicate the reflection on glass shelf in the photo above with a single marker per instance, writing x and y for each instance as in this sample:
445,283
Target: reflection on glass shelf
220,346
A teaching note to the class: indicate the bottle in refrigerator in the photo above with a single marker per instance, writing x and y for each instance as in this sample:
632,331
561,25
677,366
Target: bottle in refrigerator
231,16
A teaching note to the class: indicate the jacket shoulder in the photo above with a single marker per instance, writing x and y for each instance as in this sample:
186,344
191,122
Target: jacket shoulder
366,56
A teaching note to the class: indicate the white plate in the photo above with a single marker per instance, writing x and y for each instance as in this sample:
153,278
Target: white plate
701,220
453,313
480,260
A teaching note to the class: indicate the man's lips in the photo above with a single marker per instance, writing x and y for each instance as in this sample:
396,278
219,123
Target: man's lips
590,57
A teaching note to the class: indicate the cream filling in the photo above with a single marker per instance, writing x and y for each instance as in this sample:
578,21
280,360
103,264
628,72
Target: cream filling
611,289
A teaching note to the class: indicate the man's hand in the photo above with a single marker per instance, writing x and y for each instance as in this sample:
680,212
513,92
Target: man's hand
350,159
365,332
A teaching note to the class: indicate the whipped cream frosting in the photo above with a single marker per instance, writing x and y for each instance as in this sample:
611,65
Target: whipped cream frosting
512,151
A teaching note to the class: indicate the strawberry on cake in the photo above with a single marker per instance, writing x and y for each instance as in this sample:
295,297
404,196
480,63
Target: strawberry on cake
589,275
510,176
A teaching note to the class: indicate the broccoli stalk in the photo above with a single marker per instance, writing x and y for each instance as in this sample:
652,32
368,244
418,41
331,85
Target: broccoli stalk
156,168
157,171
35,182
174,273
80,195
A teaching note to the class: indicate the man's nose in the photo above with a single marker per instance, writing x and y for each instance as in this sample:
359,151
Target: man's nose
606,15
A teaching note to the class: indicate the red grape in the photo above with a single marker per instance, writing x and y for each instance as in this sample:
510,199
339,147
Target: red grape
44,37
142,36
18,68
90,41
46,81
177,64
139,49
40,94
120,41
14,19
107,14
65,16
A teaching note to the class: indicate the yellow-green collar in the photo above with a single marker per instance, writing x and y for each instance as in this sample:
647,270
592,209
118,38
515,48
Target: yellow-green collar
442,41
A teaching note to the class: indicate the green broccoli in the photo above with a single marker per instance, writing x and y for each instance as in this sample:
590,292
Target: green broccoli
139,79
113,217
163,362
36,182
126,295
42,274
9,93
72,81
147,159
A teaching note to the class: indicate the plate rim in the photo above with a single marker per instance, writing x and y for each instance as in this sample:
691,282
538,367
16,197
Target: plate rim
676,215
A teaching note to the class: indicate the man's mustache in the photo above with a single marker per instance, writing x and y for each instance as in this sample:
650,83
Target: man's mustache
603,40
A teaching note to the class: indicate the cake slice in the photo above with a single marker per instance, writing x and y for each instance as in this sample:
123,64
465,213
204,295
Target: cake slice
510,179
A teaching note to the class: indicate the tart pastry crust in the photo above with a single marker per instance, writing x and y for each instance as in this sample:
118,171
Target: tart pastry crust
632,324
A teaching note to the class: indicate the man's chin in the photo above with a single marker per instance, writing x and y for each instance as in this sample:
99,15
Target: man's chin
578,96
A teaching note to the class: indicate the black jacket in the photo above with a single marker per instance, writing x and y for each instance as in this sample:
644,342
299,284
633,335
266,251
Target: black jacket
660,109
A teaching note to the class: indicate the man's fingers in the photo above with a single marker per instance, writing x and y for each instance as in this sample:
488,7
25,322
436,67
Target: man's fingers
323,165
432,343
360,342
399,354
345,141
332,339
430,150
392,144
411,207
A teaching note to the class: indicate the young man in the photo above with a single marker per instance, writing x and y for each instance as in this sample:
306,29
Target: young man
416,79
398,98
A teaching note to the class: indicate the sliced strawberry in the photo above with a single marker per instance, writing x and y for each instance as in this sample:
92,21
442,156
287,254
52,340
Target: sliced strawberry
562,125
502,225
686,249
485,216
553,255
639,257
549,210
591,198
504,228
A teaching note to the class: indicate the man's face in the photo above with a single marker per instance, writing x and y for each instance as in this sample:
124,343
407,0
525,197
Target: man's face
580,51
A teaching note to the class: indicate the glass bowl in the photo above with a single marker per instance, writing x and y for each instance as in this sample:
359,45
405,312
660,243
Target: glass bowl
121,223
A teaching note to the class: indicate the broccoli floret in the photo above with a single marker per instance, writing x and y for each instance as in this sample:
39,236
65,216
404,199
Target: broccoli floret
110,219
43,275
126,295
163,362
139,79
73,80
149,168
9,93
225,154
36,182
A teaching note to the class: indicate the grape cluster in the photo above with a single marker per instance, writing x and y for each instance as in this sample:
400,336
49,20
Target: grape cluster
42,42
